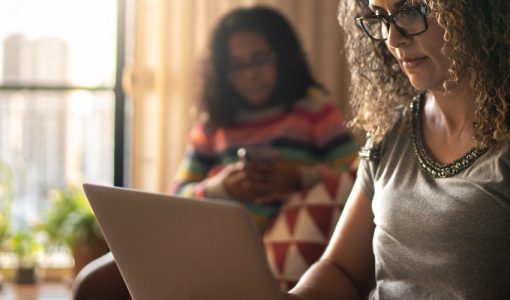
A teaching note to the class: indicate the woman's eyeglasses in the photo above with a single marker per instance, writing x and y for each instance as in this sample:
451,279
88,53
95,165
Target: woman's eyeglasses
408,21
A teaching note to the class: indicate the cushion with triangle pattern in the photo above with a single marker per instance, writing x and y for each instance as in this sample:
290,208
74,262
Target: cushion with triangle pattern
304,224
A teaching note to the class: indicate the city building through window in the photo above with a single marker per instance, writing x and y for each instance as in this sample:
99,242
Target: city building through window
58,97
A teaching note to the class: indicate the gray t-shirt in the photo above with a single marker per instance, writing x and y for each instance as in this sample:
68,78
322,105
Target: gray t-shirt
438,238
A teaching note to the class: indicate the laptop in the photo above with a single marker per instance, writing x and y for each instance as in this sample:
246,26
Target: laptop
169,247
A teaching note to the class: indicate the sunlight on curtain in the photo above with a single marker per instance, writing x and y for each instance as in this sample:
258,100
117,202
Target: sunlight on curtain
170,40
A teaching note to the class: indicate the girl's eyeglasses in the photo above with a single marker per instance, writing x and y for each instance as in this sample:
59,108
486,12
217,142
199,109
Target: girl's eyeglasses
259,60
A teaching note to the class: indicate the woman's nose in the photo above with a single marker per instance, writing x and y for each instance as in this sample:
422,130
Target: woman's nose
395,38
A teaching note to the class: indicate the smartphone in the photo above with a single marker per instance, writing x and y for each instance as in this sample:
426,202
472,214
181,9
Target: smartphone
257,153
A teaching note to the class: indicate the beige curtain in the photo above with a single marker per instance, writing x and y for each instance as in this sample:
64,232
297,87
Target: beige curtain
169,40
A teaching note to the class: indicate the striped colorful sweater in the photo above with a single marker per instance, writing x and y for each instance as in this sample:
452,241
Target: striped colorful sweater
311,135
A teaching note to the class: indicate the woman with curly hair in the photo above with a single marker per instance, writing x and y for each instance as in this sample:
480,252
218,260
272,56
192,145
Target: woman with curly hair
429,215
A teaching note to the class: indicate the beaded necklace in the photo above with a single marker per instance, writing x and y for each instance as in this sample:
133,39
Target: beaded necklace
428,164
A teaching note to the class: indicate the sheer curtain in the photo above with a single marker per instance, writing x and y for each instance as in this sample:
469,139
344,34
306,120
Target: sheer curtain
170,37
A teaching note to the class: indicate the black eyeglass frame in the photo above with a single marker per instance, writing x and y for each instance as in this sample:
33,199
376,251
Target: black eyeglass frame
390,20
260,60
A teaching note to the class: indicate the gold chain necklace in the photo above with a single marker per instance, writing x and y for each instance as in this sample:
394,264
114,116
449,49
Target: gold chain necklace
430,166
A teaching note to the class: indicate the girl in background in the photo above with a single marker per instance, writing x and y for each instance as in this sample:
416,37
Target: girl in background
269,132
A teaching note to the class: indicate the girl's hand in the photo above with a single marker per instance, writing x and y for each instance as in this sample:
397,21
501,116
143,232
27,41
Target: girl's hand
274,180
262,182
248,181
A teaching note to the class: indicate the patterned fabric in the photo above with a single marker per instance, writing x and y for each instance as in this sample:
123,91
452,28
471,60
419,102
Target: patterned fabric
303,227
311,135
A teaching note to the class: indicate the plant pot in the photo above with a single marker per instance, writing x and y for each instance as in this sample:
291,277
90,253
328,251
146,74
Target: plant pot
85,253
25,275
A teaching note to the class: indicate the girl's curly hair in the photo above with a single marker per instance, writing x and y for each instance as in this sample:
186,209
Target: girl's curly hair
478,34
219,98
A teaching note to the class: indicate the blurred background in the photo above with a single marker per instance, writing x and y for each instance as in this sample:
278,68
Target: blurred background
105,91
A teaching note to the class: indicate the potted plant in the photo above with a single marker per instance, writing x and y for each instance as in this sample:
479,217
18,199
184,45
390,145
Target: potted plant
70,221
4,230
6,190
6,184
25,247
4,234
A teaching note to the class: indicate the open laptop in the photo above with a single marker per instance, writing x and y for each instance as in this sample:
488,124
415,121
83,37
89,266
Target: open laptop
169,247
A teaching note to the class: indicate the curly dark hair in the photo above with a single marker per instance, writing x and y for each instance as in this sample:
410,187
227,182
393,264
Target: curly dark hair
478,34
219,98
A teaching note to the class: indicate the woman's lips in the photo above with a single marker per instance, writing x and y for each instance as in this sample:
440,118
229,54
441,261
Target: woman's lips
412,63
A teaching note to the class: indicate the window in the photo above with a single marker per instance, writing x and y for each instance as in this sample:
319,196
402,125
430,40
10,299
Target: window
59,94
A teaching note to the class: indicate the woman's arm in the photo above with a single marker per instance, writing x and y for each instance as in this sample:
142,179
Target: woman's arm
346,269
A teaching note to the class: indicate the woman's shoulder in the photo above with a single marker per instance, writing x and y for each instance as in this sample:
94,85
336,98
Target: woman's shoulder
502,151
400,129
402,120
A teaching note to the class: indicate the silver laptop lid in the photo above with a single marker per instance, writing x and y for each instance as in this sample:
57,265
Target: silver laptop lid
169,247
